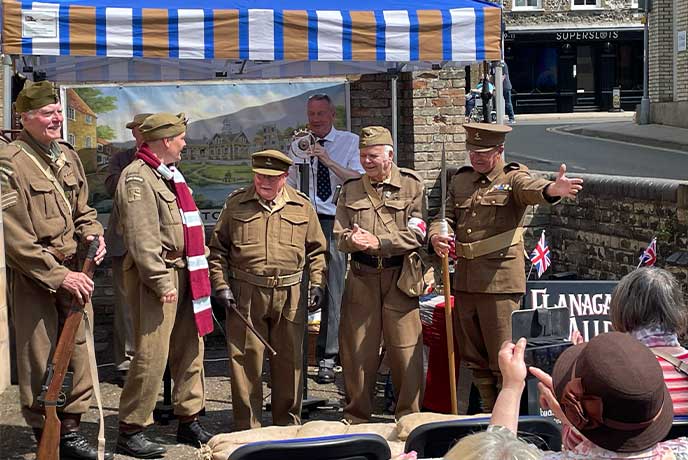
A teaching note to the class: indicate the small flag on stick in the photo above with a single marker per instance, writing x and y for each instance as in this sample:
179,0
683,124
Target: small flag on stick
649,256
540,256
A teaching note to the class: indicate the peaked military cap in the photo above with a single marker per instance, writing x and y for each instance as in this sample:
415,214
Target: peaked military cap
375,135
161,125
482,137
138,120
36,95
270,162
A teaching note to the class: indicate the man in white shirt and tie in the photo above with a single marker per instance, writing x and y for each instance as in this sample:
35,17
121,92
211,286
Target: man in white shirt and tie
334,160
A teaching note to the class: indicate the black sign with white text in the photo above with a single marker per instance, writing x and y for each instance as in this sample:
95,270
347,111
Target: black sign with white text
587,301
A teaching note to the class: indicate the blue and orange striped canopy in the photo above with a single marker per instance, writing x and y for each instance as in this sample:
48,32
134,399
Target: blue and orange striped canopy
315,30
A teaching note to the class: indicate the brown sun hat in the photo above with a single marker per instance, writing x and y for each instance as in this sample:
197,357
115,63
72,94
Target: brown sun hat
612,390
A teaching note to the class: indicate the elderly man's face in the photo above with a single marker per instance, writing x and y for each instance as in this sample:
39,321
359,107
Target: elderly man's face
268,187
377,161
485,162
320,117
44,124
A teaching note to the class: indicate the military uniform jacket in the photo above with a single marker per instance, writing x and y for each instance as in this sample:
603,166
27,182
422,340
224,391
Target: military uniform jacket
480,206
119,161
151,224
36,215
250,238
401,195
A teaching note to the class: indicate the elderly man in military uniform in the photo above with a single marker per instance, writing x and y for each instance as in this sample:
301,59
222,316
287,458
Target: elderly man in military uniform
123,333
159,288
379,222
45,213
486,204
264,237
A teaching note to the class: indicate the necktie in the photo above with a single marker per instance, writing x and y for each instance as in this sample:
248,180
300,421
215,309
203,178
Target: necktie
324,189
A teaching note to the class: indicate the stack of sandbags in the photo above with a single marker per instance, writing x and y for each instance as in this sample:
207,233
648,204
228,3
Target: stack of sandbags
222,445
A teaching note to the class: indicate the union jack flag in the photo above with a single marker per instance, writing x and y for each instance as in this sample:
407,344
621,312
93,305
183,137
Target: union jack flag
540,256
649,256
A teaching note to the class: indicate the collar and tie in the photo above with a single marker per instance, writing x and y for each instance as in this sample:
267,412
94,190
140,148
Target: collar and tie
324,186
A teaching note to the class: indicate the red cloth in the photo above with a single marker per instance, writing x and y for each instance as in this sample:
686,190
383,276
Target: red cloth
437,396
194,240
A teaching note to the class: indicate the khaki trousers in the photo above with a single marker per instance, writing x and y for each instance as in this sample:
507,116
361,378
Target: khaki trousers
373,307
162,331
482,322
275,313
123,337
38,316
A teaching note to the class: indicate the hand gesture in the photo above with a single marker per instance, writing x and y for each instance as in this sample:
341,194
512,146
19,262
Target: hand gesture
100,253
565,187
321,154
441,244
512,363
363,239
169,296
547,398
79,285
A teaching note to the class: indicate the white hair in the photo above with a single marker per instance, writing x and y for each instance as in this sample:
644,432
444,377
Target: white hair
389,149
497,443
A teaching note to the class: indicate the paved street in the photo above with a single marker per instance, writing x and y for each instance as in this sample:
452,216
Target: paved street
543,145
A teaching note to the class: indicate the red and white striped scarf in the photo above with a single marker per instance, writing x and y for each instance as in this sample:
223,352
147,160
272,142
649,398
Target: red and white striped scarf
194,240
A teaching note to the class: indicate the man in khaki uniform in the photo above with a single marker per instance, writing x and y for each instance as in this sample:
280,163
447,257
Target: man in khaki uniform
45,212
123,336
263,239
376,216
486,203
156,281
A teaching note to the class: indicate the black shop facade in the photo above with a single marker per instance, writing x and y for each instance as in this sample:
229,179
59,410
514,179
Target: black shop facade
574,70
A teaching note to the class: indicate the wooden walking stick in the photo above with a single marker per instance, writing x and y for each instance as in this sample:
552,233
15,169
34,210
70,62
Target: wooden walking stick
444,231
53,396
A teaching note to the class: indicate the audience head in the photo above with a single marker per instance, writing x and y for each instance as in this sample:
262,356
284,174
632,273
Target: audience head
649,297
497,443
612,390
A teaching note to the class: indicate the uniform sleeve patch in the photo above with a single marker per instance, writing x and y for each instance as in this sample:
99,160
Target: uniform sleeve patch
133,179
133,194
9,199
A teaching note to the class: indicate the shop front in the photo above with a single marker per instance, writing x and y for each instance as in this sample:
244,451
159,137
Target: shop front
574,70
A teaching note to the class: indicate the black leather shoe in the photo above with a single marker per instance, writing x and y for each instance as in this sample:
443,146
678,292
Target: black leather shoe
74,446
193,434
325,371
139,446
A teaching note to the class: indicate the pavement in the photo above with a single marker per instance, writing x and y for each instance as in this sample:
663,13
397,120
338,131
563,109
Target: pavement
17,441
614,126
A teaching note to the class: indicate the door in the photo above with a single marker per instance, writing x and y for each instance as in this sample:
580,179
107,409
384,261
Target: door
585,76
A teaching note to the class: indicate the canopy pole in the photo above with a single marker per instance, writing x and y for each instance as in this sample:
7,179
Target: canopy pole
499,89
7,91
393,85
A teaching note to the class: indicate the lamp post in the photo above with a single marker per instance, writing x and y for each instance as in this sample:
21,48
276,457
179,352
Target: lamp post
644,117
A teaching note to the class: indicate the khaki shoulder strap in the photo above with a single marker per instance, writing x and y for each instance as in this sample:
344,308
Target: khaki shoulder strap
380,208
680,365
46,172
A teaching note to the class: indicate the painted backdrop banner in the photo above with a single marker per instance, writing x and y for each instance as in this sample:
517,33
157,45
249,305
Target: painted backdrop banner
227,123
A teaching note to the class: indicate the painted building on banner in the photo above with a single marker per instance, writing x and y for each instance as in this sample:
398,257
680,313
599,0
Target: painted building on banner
571,55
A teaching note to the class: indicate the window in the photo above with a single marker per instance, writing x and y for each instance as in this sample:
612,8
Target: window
99,148
71,113
88,143
527,5
583,4
71,138
88,119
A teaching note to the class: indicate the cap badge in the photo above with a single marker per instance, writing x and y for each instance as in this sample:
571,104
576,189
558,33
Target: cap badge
477,137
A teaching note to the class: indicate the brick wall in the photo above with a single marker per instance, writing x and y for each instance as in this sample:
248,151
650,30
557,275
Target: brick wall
601,235
560,13
661,72
682,58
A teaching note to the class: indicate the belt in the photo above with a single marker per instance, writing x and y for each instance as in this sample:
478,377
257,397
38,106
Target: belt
174,259
58,255
274,281
489,245
377,262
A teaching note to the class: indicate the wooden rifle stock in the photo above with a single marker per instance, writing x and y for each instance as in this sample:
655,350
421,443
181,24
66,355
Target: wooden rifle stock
49,445
449,327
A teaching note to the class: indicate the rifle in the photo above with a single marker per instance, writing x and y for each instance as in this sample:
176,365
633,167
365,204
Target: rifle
248,324
449,327
52,395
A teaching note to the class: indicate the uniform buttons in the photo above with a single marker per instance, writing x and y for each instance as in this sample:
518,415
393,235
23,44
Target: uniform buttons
501,254
473,214
493,201
479,197
469,230
483,181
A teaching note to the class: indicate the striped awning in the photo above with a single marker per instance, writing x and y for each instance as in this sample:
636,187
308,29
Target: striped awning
315,30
